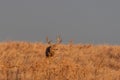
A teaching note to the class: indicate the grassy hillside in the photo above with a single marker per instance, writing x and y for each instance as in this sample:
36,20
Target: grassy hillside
27,61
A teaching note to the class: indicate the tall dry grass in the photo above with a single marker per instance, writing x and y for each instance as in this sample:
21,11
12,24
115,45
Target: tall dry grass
27,61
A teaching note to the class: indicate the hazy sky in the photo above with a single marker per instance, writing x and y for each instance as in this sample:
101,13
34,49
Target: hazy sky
84,21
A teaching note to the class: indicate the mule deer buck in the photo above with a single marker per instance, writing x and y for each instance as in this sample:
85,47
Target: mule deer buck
52,48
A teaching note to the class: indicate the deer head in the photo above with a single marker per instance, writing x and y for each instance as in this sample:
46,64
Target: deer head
52,48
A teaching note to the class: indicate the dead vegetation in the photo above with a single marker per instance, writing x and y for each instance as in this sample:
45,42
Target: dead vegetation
27,61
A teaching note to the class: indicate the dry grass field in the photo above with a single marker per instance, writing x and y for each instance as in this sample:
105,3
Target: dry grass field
27,61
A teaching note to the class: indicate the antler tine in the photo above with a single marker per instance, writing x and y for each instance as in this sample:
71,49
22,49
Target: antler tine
59,39
48,41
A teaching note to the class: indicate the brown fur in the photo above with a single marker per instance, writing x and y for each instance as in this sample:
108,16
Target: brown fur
50,50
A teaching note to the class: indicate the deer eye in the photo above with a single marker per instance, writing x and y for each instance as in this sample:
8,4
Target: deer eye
55,49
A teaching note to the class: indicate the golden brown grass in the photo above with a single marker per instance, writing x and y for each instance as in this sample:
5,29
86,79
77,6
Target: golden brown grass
27,61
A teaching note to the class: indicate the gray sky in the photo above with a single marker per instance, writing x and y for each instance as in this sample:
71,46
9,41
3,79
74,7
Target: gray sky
84,21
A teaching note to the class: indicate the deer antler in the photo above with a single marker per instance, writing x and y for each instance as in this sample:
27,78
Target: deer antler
48,41
59,39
